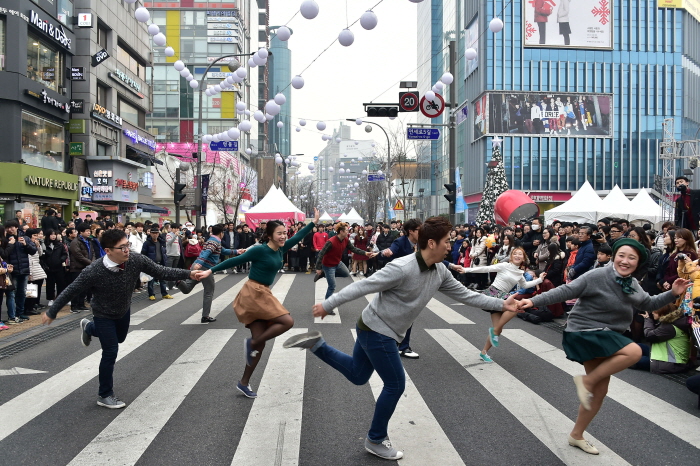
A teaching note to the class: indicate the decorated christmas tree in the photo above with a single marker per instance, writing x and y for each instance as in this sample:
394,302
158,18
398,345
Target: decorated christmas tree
496,184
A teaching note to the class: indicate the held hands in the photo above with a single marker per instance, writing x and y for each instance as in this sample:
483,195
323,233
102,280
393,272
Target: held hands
387,252
459,269
511,305
524,304
679,286
318,311
199,274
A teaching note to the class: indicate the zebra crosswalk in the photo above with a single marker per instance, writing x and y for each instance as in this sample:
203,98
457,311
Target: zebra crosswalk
455,410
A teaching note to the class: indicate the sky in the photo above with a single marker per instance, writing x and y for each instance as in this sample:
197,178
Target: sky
344,78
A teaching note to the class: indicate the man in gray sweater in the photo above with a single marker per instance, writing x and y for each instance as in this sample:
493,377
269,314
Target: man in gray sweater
111,280
404,288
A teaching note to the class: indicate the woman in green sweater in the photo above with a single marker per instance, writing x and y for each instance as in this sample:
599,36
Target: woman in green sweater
255,306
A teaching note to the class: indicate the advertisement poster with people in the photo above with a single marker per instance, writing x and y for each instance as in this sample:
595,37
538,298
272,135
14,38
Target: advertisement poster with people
471,41
551,114
585,24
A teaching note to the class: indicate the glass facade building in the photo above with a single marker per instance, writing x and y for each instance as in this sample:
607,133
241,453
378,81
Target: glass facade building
643,71
279,77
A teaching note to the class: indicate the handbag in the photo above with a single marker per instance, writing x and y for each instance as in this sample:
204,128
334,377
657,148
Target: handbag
32,290
545,10
5,282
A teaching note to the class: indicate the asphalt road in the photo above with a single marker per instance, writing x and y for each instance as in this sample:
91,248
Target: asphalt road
178,380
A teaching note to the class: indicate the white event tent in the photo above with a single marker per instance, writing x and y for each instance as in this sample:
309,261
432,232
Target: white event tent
615,205
583,207
354,217
325,217
274,206
643,207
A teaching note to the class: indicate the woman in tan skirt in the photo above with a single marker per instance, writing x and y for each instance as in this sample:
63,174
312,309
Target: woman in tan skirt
255,306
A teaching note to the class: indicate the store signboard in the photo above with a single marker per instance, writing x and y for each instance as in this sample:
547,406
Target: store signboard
225,15
85,189
557,114
228,40
569,24
77,148
54,30
77,73
77,106
691,6
222,32
76,126
44,97
105,115
138,139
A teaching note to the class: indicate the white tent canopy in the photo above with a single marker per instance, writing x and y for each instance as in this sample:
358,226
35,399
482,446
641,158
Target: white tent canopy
354,217
274,201
582,207
325,217
643,207
342,217
615,205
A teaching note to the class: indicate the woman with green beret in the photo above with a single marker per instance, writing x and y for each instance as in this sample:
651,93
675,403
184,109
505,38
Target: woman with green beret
607,297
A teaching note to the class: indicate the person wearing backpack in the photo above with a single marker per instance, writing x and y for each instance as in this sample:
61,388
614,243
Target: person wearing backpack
192,250
543,8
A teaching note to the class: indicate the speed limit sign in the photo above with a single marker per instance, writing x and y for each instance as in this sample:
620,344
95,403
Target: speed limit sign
408,101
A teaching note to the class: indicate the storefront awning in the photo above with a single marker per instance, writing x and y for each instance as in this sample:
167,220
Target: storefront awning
101,207
152,208
143,157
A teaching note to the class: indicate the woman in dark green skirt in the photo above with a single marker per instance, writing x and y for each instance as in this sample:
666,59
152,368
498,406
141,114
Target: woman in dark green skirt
607,297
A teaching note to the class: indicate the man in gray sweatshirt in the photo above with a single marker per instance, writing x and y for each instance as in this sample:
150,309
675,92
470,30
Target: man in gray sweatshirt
404,288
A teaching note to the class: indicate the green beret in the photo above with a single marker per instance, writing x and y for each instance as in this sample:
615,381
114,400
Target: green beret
634,244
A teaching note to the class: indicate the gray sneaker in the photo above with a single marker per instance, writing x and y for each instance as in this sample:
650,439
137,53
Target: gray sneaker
383,450
85,337
304,340
111,402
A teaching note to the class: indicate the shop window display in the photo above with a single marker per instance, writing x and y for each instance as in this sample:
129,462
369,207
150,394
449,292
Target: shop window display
44,63
42,142
32,212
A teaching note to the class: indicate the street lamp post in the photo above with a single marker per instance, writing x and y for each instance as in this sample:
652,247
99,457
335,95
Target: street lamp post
388,163
198,190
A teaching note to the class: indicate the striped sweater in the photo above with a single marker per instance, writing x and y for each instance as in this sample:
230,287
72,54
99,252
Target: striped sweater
211,253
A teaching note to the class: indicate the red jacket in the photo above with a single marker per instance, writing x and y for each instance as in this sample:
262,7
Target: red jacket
320,239
539,4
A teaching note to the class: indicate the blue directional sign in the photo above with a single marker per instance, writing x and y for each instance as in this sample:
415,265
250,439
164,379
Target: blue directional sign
223,145
375,177
316,158
423,133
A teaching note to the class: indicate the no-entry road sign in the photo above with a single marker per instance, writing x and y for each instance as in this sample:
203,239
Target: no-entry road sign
434,108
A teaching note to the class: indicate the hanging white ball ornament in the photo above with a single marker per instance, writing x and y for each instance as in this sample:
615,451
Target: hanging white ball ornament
310,166
206,139
246,112
346,37
234,133
241,72
280,99
356,184
153,29
258,60
142,15
364,172
379,172
330,169
341,171
259,116
309,9
430,96
169,52
302,122
179,65
245,125
297,82
251,63
272,108
269,117
298,129
216,138
439,86
217,88
447,78
470,54
283,33
184,73
189,78
278,159
368,20
358,121
496,25
159,39
280,124
320,126
249,151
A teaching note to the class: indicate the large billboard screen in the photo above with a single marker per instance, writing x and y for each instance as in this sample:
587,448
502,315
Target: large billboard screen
471,40
543,114
584,24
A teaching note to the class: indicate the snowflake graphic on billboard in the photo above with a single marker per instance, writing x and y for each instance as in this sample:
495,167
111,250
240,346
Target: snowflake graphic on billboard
602,10
529,29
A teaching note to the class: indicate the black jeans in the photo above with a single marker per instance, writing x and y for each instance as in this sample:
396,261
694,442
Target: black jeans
55,283
79,300
111,332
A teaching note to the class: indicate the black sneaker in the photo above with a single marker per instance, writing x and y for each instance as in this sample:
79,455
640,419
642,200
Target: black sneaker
319,276
207,319
76,311
23,317
85,337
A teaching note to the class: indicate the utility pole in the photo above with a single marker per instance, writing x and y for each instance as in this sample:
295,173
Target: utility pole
453,126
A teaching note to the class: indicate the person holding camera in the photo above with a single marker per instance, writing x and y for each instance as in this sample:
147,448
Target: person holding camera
687,205
17,253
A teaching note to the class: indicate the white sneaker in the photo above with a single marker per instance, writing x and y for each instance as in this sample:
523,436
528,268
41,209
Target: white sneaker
353,274
281,270
361,274
51,303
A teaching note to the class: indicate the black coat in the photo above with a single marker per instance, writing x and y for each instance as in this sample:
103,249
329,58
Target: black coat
18,254
55,257
226,240
149,250
680,219
50,223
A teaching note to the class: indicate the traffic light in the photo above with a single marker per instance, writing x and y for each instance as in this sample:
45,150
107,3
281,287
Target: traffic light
179,195
377,111
451,195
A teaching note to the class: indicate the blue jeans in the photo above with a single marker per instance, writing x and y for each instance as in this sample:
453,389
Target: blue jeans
163,289
111,332
339,270
10,301
644,363
372,351
20,282
406,342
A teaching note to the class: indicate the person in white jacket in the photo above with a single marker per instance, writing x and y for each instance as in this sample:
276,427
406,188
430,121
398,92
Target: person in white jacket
136,240
563,20
37,275
509,275
478,256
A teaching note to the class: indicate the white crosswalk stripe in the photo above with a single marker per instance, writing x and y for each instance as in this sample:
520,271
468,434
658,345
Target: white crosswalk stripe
130,434
445,313
30,404
320,288
545,422
272,433
664,414
154,309
281,288
218,305
414,429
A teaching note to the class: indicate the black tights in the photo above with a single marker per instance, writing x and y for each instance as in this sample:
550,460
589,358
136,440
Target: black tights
261,331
